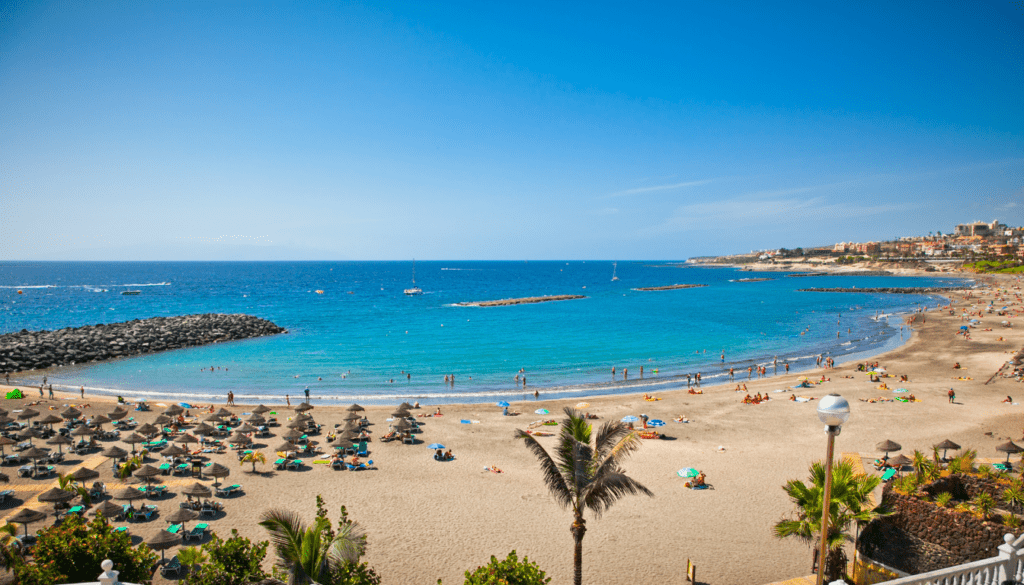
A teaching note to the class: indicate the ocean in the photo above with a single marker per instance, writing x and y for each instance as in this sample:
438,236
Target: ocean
362,339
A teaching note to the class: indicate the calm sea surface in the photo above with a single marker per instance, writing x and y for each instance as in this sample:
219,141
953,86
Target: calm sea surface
355,340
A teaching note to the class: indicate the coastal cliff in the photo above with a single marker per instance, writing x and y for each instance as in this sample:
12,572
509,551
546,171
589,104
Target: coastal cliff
33,350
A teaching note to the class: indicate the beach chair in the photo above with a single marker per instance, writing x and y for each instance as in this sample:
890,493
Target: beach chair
208,511
294,464
173,567
75,510
165,468
182,469
351,449
889,473
5,494
198,532
121,530
280,463
228,490
98,490
1002,466
174,528
25,471
362,449
337,464
408,440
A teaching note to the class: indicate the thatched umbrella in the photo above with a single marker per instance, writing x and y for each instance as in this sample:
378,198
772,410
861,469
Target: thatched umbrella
239,438
185,439
27,414
292,435
50,419
162,420
402,425
303,407
255,419
59,440
108,509
297,424
128,493
224,412
4,441
82,431
29,433
3,412
352,416
100,419
173,451
217,471
405,405
203,429
174,410
261,409
946,445
163,541
900,460
83,474
346,437
35,453
400,413
27,516
57,496
5,420
246,428
132,439
148,430
181,516
70,413
197,490
1009,448
118,413
4,478
214,418
355,408
302,416
287,446
147,472
887,446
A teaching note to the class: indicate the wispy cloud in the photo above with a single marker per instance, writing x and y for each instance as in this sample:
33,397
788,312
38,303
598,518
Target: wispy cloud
639,190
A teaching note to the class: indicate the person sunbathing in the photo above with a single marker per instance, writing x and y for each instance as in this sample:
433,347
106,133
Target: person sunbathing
493,469
692,391
448,455
682,419
956,366
355,460
438,455
699,481
438,411
792,397
1008,399
911,398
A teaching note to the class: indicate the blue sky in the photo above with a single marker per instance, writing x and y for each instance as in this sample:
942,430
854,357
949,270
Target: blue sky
393,130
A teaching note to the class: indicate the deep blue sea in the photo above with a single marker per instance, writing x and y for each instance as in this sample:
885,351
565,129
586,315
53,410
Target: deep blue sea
361,336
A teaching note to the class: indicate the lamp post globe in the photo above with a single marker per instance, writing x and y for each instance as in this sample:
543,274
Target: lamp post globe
833,410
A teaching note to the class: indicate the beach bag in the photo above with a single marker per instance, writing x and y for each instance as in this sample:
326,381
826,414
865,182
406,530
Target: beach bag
15,394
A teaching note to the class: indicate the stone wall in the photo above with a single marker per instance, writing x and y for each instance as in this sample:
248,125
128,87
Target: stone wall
920,536
33,350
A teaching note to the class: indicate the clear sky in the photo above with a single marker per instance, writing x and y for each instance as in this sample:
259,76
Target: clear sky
501,130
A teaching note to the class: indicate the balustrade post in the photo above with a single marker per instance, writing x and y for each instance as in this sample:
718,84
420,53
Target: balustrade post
1007,567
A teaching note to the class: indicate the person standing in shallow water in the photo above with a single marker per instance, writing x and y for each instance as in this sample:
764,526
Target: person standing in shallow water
83,391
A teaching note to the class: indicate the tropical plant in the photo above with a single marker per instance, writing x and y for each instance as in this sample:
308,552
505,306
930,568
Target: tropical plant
1012,521
585,477
510,571
235,561
71,553
906,484
68,484
1014,494
315,553
923,468
253,457
983,504
943,499
190,557
11,552
964,462
986,471
847,506
124,471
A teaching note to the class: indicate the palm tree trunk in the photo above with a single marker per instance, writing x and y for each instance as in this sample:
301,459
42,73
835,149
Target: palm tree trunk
578,529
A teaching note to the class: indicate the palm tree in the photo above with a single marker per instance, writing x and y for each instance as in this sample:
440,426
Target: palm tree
923,468
308,553
585,477
254,457
190,556
850,493
11,550
70,485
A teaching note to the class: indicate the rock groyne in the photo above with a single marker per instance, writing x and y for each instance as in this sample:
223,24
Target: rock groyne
909,290
520,301
671,287
33,350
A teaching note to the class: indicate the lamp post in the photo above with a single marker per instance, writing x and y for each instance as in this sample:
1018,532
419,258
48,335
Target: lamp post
833,410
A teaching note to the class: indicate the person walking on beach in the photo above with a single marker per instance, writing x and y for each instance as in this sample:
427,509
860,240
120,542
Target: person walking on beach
51,391
625,373
41,390
731,373
287,400
687,380
641,372
787,367
613,372
750,370
698,379
82,389
952,395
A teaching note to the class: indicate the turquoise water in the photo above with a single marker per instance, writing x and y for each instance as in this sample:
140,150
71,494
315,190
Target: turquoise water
358,339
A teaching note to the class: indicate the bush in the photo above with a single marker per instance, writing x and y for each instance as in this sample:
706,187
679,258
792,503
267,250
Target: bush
73,551
984,503
231,562
1012,521
942,499
510,571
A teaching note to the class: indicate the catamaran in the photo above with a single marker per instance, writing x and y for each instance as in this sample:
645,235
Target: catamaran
415,290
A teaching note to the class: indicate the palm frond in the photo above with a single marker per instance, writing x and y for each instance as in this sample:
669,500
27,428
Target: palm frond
553,478
610,488
349,544
287,535
609,435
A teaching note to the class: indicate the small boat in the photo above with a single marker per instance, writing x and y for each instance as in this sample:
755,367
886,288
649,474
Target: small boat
615,266
415,290
131,292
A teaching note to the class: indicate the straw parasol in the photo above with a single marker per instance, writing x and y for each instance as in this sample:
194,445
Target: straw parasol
405,405
128,493
70,413
261,409
181,516
173,451
197,490
117,414
296,424
83,474
946,445
28,433
203,429
4,478
50,419
1009,448
83,431
4,441
174,410
27,414
302,416
294,434
287,446
214,418
132,439
3,411
238,438
27,516
5,420
146,472
347,435
162,420
113,452
900,460
402,425
224,412
186,438
57,495
303,407
35,453
246,428
148,430
217,471
887,446
163,541
355,408
59,440
352,416
255,418
401,413
108,509
100,419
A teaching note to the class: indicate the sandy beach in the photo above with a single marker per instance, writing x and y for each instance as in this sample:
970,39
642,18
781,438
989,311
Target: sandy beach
428,520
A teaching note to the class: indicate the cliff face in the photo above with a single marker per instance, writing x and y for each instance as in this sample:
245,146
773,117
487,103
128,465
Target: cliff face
32,350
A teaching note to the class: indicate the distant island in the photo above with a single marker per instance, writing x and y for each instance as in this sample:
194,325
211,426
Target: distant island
520,301
671,287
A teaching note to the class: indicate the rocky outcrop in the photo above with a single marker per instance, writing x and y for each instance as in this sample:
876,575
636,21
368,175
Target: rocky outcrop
909,290
33,350
520,301
671,287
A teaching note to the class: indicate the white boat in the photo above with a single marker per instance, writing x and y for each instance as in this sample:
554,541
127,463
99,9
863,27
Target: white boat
615,265
415,290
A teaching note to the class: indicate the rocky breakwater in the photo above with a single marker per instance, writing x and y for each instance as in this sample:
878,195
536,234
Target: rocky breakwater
909,290
33,350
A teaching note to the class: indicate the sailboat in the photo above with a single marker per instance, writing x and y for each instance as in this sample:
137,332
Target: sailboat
615,265
415,290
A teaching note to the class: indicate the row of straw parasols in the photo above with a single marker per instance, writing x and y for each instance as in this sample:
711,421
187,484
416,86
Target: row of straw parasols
889,446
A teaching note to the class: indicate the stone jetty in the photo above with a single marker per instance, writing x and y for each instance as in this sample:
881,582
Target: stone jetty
520,301
34,350
671,287
909,290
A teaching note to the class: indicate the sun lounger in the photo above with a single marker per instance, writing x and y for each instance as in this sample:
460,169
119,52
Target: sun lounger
888,474
294,464
121,529
173,567
208,510
182,469
25,471
410,440
362,450
153,490
5,494
165,468
280,463
174,528
197,533
1002,466
337,464
228,490
75,510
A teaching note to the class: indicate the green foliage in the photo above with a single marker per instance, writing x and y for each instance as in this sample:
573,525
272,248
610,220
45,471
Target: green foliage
10,550
1014,494
847,506
254,458
124,470
190,556
964,462
990,266
924,470
73,551
943,499
983,504
1012,521
70,485
510,571
906,484
964,507
235,561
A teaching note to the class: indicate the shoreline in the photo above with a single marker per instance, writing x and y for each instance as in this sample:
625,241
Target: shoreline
464,514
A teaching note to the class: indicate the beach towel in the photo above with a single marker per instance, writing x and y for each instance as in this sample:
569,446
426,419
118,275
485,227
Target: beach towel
321,462
899,390
469,422
804,398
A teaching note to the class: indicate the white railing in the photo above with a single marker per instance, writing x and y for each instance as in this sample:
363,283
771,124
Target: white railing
1006,566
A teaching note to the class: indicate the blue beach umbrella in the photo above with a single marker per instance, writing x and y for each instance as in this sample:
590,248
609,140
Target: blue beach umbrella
629,419
963,327
435,446
687,472
656,423
503,404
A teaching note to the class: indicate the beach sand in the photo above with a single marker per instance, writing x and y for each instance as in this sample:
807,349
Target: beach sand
428,520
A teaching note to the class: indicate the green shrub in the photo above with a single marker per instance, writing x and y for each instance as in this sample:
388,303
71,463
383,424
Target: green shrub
906,484
942,499
1012,521
73,551
231,562
510,571
983,504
